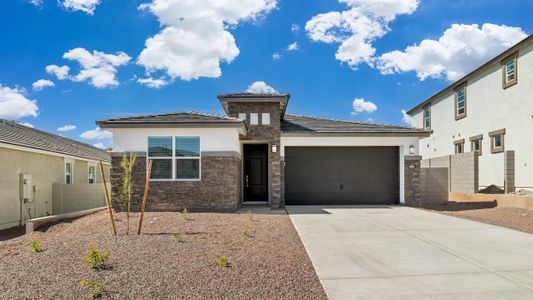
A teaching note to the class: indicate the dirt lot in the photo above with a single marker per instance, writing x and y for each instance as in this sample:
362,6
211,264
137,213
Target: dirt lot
271,264
487,212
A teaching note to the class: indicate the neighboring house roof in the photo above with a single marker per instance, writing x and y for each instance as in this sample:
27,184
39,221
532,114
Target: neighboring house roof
497,59
178,118
23,136
298,124
283,99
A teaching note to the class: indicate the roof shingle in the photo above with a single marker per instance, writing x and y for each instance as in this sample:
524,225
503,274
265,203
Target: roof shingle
169,118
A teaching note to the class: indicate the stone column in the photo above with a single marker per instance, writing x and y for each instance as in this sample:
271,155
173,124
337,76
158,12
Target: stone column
509,172
412,180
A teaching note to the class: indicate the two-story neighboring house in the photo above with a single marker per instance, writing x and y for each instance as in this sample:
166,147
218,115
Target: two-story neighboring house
489,111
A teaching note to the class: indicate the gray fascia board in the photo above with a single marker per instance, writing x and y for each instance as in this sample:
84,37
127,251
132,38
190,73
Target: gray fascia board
355,134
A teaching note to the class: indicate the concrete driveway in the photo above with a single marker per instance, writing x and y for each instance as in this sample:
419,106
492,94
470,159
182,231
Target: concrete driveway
406,253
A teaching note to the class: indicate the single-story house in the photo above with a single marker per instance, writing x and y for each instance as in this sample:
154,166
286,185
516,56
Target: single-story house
257,153
44,174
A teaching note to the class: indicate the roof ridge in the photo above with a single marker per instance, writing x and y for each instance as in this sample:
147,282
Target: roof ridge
352,122
213,115
144,115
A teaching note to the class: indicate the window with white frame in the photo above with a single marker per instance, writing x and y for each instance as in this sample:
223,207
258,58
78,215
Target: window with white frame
174,158
460,102
254,119
459,146
265,118
91,173
509,67
497,141
69,171
426,111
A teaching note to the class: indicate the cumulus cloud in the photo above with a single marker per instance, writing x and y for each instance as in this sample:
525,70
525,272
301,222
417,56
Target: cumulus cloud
59,72
360,105
37,3
195,38
86,6
356,28
40,84
153,82
460,49
98,68
407,119
30,125
66,128
15,105
96,134
260,87
295,28
276,56
293,46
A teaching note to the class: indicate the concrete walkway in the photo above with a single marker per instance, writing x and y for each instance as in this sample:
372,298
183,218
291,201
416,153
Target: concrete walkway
406,253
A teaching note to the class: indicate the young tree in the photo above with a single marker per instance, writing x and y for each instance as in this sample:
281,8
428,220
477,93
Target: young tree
127,164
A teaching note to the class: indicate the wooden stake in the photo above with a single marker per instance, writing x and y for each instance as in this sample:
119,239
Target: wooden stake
108,202
146,187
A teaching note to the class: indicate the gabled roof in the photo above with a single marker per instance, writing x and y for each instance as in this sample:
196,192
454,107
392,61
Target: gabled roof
23,136
182,119
298,124
283,99
496,59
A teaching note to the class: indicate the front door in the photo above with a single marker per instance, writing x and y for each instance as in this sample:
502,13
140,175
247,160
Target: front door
255,172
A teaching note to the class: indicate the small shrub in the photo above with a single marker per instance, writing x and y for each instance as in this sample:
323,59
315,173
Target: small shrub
97,287
95,258
221,261
246,232
185,213
36,246
178,237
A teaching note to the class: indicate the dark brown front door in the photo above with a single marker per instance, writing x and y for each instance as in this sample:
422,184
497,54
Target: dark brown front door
255,172
341,175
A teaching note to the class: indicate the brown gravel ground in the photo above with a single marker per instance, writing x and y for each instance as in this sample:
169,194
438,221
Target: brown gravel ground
271,264
486,212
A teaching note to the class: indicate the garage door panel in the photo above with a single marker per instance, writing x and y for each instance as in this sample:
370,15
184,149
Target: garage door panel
341,175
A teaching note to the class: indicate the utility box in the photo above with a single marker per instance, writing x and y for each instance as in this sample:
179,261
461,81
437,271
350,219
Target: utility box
26,188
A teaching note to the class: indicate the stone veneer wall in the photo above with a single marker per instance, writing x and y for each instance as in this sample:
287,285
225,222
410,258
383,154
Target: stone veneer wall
412,181
218,190
269,134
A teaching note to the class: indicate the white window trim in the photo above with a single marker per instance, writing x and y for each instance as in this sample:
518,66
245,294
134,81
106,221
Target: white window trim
265,116
71,162
254,119
173,158
89,165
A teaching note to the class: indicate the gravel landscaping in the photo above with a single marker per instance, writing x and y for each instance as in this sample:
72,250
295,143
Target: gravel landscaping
487,212
269,264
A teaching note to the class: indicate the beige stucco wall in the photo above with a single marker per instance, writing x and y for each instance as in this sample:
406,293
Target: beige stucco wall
45,171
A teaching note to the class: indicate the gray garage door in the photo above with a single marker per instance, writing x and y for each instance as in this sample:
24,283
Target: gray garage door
341,175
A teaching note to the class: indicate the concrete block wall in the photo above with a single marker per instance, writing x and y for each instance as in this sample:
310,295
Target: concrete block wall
464,172
509,171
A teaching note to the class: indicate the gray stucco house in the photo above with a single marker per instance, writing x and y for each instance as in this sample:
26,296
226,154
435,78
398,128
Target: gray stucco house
258,154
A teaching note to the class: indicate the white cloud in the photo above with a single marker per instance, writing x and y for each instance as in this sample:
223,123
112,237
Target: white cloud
356,28
59,72
407,119
153,82
40,84
295,28
97,67
66,128
96,134
458,51
99,145
360,105
293,46
260,87
86,6
195,37
276,56
37,3
27,124
14,104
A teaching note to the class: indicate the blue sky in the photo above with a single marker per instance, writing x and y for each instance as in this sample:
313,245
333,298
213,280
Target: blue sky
372,64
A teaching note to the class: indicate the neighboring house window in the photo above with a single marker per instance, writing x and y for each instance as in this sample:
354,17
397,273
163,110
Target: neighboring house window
497,141
160,152
91,174
187,157
254,119
69,171
265,118
476,144
427,116
509,71
175,158
459,146
242,116
460,102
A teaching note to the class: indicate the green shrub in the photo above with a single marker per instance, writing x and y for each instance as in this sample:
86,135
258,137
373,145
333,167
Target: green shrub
178,237
246,232
95,258
185,213
97,287
221,261
36,246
